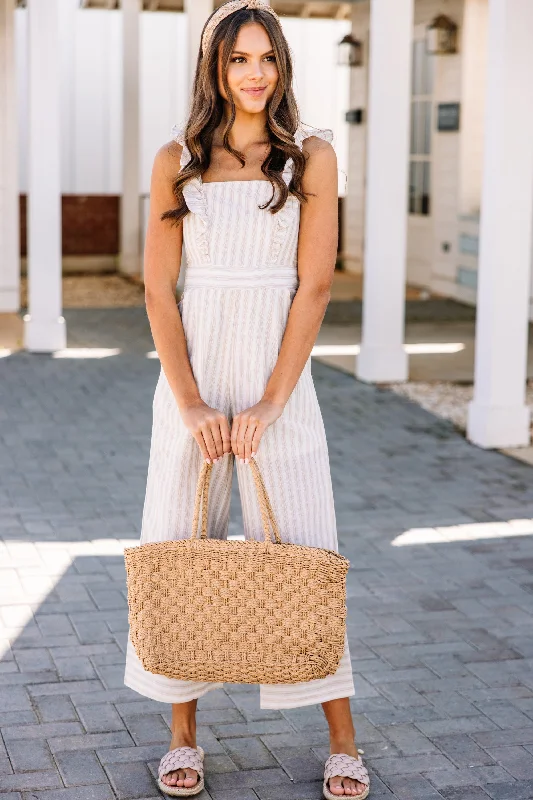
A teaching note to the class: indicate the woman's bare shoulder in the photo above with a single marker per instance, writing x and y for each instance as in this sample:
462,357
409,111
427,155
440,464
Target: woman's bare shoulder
321,160
167,159
312,145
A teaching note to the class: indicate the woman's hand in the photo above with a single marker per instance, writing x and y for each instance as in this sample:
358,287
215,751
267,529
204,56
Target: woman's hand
249,426
210,428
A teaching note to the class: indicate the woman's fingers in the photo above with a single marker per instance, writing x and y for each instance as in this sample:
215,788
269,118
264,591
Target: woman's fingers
240,423
209,443
243,424
226,435
248,436
244,433
258,433
201,444
217,437
234,434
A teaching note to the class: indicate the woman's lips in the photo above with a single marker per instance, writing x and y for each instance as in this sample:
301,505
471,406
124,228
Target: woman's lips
255,92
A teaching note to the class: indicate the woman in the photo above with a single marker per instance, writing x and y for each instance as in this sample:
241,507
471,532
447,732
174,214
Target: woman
235,376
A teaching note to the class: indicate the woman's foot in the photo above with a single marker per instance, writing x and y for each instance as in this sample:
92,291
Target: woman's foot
338,785
342,740
182,777
183,735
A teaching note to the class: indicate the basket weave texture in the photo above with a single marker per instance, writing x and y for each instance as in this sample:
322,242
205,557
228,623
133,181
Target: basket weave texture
240,611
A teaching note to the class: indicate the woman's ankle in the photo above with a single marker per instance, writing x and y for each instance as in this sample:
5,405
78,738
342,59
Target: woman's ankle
183,724
183,739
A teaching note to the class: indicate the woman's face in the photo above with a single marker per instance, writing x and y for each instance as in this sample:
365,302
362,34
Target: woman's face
252,69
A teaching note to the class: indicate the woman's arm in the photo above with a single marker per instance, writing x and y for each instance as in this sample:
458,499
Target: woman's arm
317,252
162,258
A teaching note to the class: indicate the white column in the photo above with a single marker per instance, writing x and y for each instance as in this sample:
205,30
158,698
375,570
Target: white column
44,329
382,356
9,191
197,13
498,415
130,210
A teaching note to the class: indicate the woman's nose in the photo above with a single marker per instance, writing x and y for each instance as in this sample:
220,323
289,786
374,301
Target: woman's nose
256,69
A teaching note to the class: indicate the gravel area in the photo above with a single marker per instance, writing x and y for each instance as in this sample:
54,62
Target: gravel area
446,399
95,291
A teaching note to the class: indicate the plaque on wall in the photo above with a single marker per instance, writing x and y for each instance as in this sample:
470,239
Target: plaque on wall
448,116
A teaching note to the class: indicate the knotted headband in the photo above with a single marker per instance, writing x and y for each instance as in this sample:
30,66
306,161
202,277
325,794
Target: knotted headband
229,8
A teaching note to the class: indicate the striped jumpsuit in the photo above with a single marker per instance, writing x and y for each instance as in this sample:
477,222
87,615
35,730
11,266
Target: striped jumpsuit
240,280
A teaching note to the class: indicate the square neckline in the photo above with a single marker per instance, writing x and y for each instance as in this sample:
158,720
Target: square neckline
252,180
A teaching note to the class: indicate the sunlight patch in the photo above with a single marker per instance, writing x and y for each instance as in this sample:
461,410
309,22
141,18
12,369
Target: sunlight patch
86,352
419,348
470,531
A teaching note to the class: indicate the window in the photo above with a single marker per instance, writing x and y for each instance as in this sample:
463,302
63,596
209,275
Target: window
421,125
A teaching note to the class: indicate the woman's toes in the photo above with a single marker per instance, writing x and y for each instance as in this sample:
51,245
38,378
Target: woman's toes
191,777
170,778
335,785
346,787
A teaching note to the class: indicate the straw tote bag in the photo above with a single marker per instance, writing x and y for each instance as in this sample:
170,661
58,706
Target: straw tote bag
267,611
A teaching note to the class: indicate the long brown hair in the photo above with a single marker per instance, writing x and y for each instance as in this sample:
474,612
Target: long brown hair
207,106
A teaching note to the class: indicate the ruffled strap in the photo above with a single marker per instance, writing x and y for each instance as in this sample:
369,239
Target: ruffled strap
193,190
302,133
178,134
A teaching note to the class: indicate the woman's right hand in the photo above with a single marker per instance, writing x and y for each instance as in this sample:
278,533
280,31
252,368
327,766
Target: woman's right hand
210,428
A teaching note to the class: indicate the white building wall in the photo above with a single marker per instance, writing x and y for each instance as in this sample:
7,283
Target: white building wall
91,90
433,242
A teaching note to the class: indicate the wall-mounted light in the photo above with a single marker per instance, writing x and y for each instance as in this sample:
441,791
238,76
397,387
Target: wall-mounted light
441,36
354,116
350,52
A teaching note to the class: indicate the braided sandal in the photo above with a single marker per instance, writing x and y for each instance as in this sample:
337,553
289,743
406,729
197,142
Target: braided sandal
181,758
345,766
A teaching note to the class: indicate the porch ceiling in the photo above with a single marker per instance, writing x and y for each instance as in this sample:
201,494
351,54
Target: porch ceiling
325,9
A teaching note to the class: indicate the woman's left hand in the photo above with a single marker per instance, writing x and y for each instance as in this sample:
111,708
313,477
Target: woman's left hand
249,426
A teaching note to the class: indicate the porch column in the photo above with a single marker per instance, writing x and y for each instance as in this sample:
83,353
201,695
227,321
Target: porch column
498,415
9,192
197,13
130,211
382,356
44,325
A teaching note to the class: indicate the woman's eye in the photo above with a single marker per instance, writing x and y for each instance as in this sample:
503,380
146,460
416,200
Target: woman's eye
241,58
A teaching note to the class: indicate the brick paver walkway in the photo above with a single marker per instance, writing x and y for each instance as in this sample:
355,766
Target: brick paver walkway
440,596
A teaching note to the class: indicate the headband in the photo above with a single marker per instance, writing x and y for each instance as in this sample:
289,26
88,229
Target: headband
229,8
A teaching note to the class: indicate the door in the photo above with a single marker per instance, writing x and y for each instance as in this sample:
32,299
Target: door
420,224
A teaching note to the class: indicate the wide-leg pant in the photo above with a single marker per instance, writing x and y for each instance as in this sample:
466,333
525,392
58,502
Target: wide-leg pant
293,458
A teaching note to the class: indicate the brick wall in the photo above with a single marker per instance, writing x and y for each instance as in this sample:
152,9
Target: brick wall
90,225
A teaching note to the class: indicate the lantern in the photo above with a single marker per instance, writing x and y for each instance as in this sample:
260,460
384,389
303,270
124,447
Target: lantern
350,52
441,36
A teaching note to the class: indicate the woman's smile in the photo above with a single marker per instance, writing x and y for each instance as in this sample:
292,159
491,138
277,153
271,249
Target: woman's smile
255,91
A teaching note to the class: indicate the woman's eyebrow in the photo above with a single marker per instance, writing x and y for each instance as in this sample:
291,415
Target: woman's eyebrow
241,53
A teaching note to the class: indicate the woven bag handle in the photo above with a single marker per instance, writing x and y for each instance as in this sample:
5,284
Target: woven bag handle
201,502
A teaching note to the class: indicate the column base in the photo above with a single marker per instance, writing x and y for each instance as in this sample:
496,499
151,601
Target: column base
130,264
377,364
498,426
44,336
9,300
